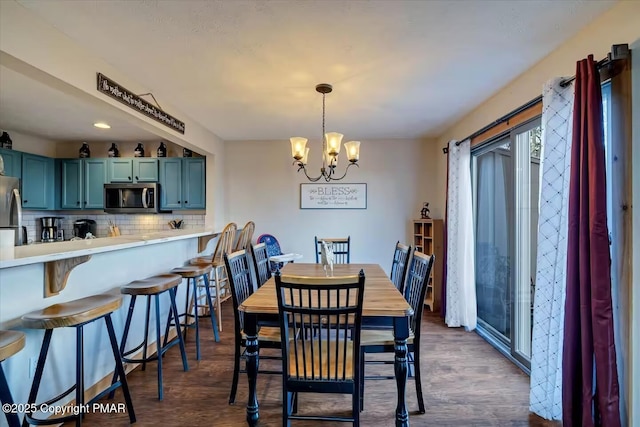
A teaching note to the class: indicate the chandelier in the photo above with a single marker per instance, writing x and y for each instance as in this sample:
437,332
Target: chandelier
330,148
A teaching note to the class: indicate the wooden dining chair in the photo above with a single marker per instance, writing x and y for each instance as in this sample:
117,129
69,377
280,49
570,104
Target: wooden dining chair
218,282
245,236
242,286
328,360
382,340
341,248
260,263
400,265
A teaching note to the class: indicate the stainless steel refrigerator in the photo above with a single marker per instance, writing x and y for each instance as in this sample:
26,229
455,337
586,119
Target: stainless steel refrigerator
11,207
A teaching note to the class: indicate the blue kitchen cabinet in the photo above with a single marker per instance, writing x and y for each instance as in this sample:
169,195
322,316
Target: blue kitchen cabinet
37,182
182,183
170,183
82,183
145,169
71,184
193,183
95,176
120,170
12,162
139,169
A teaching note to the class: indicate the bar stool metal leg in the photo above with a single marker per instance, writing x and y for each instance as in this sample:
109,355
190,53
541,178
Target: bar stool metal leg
214,321
120,369
79,372
5,398
174,310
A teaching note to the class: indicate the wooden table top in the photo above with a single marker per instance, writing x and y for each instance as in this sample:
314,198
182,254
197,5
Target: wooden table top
381,298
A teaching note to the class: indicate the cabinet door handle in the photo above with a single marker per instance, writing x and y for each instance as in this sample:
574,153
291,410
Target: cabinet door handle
186,201
26,201
136,178
78,202
85,202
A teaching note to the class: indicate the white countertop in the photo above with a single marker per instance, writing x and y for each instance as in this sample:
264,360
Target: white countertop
32,254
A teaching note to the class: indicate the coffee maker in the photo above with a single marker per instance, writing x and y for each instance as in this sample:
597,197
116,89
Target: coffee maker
51,229
82,227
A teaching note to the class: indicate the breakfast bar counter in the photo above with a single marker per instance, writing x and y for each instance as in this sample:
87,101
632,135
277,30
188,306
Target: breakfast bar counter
87,268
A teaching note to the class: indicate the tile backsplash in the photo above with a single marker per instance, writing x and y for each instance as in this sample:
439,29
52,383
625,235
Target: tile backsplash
128,224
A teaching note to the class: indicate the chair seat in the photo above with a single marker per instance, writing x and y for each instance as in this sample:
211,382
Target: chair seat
267,333
323,362
379,337
207,260
152,285
188,271
73,312
11,342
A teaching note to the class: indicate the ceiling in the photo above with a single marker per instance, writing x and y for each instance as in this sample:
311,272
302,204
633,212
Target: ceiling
33,107
246,70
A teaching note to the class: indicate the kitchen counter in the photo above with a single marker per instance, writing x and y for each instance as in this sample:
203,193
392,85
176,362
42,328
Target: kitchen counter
31,254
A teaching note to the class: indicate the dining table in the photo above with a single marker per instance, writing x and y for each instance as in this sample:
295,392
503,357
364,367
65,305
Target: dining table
382,301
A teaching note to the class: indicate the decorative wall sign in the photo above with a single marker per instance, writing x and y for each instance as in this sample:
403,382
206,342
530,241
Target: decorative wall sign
117,92
333,196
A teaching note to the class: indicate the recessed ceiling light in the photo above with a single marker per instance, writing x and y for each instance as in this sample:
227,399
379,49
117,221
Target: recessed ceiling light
102,125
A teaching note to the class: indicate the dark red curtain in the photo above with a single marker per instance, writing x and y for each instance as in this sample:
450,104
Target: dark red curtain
588,399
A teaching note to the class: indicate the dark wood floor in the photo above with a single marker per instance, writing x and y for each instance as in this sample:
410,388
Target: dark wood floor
466,383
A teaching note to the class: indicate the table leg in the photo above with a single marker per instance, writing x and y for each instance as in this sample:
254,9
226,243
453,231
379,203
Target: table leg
252,353
401,333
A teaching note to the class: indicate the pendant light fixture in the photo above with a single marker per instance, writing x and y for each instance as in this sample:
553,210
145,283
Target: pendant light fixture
330,148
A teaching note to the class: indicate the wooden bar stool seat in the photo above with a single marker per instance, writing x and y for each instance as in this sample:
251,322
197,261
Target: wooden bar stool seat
149,287
193,273
77,314
11,342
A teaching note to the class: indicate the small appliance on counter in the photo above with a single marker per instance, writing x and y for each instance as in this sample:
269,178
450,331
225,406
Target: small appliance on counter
51,229
82,227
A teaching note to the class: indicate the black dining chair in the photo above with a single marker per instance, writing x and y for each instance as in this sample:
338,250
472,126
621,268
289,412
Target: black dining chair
341,248
261,262
382,340
242,286
400,265
328,360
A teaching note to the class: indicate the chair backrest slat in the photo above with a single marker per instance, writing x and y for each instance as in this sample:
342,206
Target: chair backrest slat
261,262
225,242
245,236
400,265
320,322
240,282
418,284
341,248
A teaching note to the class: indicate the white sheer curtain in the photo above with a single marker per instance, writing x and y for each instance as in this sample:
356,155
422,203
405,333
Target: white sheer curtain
461,307
545,398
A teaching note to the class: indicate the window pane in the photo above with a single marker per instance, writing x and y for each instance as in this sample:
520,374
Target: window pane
494,207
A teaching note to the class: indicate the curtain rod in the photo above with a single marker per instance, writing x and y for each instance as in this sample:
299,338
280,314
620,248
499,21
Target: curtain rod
618,51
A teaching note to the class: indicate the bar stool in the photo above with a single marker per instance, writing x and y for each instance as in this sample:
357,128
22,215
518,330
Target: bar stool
192,273
77,314
152,286
11,342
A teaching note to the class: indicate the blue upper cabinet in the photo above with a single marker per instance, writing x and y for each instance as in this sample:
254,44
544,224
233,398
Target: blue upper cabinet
170,183
71,184
12,162
145,169
95,176
82,183
37,182
193,183
120,170
139,169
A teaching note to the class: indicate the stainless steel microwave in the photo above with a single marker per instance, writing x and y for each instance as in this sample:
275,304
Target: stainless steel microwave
132,198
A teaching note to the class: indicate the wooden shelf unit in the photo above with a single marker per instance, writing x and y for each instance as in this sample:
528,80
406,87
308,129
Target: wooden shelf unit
428,238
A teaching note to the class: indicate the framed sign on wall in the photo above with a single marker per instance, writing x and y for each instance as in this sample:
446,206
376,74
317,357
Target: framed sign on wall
333,196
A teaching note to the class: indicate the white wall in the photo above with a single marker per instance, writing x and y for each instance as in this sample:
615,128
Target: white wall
263,186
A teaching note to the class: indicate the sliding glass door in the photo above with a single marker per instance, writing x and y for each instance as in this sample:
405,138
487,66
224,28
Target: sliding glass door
506,175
